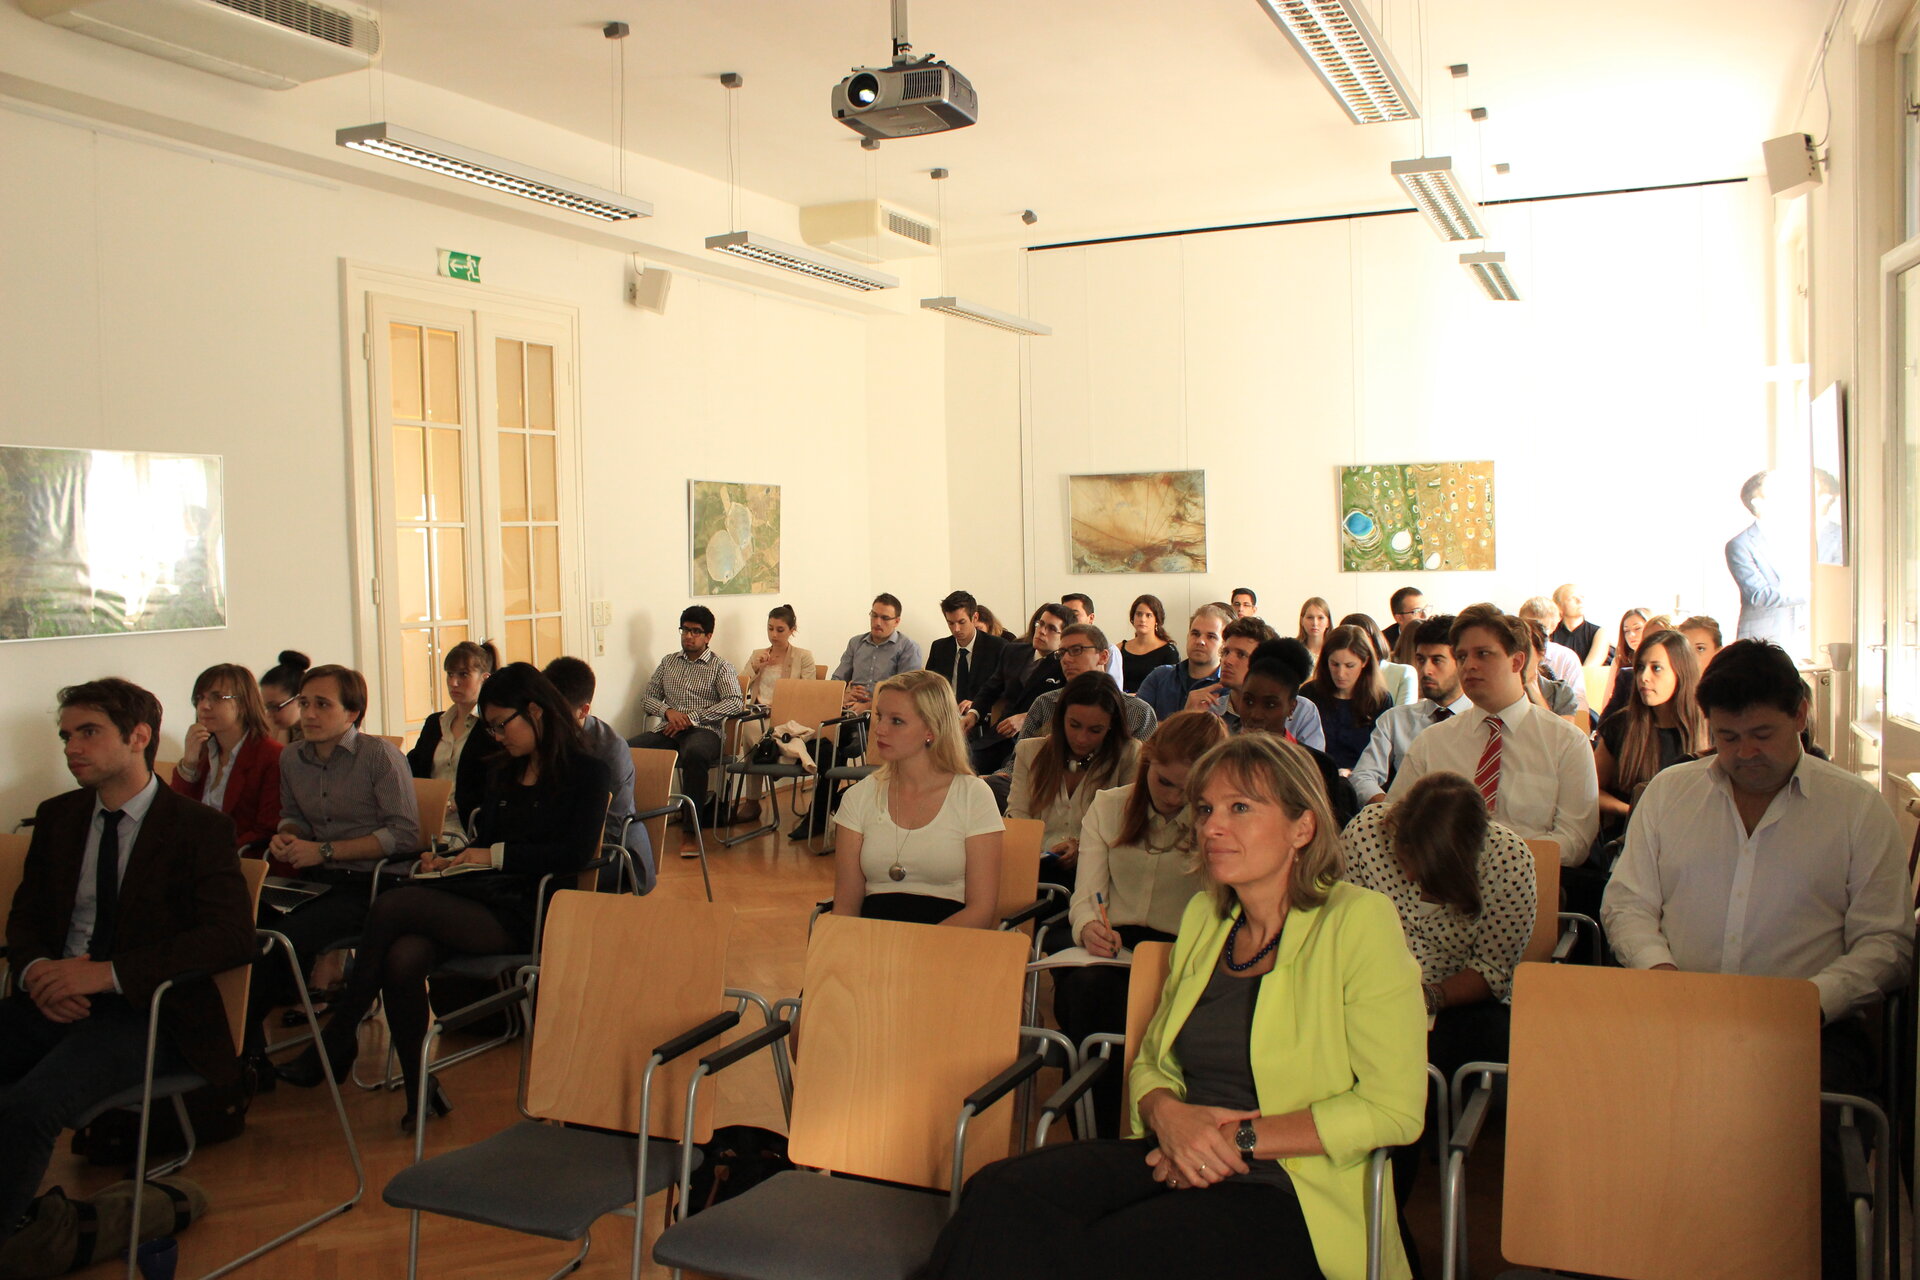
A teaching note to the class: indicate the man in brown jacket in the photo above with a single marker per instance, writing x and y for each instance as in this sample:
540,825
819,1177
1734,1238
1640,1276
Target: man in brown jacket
127,884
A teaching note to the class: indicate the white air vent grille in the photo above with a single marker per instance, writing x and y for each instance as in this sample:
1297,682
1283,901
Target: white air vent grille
317,20
912,228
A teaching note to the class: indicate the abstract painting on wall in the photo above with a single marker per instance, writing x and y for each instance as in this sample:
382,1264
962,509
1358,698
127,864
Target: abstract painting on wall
97,542
735,537
1429,516
1139,522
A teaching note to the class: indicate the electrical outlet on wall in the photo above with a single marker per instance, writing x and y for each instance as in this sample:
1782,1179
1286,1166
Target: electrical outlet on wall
602,613
599,642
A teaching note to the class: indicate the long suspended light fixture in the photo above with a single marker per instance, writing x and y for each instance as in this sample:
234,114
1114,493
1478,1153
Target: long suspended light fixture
1346,52
436,155
974,311
1489,270
987,315
1439,197
791,257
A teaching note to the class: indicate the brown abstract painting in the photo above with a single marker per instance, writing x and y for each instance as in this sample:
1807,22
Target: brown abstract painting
1138,522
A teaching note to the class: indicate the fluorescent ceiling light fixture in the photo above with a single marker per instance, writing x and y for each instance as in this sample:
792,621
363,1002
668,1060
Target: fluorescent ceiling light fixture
1439,198
987,315
1490,270
437,155
1347,53
791,257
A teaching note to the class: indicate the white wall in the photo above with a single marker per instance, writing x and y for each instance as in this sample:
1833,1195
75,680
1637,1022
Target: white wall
181,297
1622,402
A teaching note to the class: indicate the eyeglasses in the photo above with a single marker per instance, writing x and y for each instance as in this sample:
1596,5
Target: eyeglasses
283,704
1412,613
693,631
500,730
883,617
1079,650
210,699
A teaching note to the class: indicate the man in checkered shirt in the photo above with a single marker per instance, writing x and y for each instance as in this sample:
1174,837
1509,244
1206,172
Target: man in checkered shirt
693,690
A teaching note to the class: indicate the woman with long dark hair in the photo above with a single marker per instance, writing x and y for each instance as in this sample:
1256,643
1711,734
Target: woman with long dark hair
1401,681
1055,776
1660,726
232,760
1633,624
546,801
1347,689
1149,646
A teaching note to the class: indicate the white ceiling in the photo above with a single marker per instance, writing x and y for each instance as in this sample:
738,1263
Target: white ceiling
1118,116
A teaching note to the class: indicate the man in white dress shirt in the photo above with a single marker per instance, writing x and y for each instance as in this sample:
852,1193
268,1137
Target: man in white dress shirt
1534,768
1397,727
1765,860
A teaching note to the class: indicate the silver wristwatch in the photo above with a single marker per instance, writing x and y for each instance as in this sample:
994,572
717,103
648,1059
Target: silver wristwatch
1244,1138
326,851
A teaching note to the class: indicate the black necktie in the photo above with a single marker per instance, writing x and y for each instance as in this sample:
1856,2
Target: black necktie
960,665
1442,713
106,886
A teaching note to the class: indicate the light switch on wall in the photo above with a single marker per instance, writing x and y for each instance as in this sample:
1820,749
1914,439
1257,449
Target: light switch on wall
602,611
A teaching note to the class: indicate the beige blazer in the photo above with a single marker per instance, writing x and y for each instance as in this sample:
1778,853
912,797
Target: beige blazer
799,666
1064,816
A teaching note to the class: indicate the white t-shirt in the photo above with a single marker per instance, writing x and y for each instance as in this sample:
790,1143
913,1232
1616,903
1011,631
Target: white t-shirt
934,857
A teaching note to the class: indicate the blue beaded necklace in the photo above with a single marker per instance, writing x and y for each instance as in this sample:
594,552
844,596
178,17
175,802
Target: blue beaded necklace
1233,935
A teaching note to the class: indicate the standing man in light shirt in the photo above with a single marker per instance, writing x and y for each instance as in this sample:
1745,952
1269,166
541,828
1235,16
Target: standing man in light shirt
693,690
1397,727
127,884
1765,860
1535,770
1166,688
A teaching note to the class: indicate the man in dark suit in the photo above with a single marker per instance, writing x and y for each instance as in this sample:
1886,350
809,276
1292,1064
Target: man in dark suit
127,884
1026,671
967,655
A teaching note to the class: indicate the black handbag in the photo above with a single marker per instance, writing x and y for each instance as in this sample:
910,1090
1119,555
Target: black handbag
765,751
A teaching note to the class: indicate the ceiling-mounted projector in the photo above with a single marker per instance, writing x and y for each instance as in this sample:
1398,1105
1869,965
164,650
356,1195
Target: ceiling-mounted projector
908,98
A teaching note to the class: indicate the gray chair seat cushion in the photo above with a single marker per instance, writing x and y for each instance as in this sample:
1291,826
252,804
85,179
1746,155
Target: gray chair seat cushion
767,770
164,1086
806,1226
539,1179
484,968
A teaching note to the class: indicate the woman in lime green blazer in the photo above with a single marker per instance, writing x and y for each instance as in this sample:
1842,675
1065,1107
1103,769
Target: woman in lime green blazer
1289,1042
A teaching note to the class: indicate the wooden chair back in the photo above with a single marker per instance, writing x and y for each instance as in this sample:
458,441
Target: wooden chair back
1599,684
652,784
13,865
1694,1147
1151,960
1546,911
820,671
1019,866
163,769
233,984
394,738
1578,720
589,880
902,1021
595,1023
809,702
432,794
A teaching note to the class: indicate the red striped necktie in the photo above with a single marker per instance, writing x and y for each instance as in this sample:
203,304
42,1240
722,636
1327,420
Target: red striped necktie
1487,775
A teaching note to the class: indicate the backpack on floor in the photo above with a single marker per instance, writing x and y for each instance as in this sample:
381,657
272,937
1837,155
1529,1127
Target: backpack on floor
739,1158
65,1235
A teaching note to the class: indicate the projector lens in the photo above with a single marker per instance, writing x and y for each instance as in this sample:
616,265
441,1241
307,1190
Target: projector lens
864,91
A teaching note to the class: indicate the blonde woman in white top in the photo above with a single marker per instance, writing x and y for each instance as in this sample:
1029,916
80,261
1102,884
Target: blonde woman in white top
780,660
919,840
1135,878
1086,748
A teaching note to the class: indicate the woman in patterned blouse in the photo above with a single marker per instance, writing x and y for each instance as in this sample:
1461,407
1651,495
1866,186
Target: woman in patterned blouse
1464,887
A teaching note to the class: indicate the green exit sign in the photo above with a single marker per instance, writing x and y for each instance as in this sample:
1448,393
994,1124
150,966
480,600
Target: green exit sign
461,266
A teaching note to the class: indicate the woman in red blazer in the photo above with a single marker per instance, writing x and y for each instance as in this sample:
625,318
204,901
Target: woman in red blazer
232,762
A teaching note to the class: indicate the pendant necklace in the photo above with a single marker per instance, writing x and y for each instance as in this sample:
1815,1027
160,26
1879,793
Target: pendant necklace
896,872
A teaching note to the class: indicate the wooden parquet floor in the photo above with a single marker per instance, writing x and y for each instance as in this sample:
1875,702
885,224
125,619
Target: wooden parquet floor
291,1161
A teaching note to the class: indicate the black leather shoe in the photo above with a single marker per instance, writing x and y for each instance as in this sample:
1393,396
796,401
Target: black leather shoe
260,1067
437,1105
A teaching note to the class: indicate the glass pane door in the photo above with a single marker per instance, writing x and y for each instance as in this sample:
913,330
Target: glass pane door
529,453
1903,639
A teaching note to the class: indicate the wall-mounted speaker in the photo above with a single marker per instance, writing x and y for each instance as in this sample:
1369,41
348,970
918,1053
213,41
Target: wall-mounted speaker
647,288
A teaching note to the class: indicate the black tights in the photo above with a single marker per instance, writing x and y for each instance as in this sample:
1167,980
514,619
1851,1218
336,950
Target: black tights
409,932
